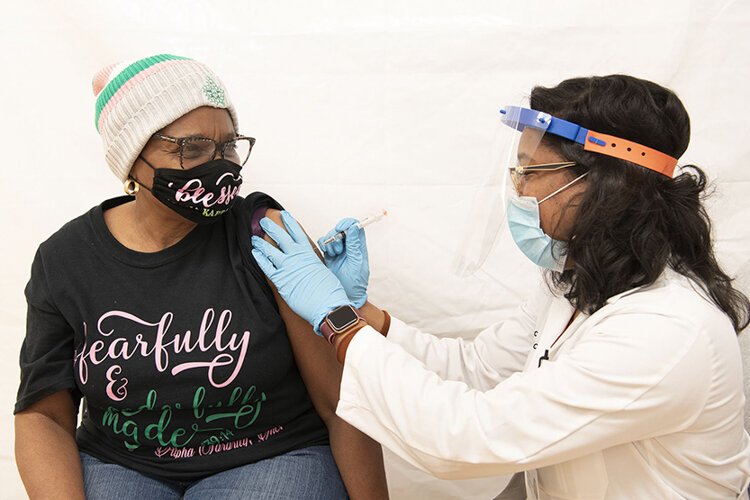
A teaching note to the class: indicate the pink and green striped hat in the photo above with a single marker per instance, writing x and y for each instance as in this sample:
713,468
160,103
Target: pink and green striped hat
136,98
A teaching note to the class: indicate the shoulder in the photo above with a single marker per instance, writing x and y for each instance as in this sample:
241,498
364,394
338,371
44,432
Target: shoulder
71,235
249,210
256,200
85,235
671,334
668,323
275,215
54,255
672,296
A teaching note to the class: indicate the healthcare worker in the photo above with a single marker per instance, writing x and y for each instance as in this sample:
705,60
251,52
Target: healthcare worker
620,379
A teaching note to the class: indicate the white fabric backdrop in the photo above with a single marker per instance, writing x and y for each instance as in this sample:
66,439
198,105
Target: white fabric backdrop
359,105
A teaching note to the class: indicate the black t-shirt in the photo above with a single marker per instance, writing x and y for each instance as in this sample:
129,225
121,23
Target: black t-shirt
181,355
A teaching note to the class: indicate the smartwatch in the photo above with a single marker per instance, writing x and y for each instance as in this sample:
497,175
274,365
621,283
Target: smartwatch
339,321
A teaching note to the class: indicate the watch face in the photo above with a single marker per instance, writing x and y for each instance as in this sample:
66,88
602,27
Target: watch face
341,318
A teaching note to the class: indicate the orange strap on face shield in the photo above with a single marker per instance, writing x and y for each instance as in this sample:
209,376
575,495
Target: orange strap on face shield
633,152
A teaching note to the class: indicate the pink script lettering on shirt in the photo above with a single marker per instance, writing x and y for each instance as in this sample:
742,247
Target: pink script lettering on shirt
155,342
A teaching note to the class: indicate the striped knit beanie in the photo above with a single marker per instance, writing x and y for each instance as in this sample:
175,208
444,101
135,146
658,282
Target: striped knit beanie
134,99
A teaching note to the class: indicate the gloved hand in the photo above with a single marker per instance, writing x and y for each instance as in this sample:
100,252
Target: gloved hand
303,281
347,259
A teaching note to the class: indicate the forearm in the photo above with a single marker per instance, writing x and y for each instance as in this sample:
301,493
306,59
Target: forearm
47,458
359,459
455,358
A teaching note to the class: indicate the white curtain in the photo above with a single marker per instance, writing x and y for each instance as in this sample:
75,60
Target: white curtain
357,106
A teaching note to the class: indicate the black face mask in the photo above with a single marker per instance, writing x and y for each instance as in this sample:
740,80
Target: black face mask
200,194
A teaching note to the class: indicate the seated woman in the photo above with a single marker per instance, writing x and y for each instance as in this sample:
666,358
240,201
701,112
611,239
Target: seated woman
194,374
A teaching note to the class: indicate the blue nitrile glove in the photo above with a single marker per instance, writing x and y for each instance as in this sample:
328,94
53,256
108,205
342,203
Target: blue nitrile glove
347,259
303,281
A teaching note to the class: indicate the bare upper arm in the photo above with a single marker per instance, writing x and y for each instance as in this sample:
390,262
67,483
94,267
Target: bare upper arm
315,358
275,215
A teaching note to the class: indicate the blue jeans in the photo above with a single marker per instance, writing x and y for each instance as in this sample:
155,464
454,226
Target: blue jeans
308,473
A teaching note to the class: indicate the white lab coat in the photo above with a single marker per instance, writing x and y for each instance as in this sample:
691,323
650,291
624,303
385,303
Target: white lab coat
642,399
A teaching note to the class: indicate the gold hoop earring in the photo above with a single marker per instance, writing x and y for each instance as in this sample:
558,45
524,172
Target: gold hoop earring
131,187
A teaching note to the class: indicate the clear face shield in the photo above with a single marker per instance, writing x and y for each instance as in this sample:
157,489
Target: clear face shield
519,150
517,146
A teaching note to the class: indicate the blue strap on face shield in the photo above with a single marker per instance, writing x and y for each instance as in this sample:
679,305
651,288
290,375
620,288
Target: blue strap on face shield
568,130
520,118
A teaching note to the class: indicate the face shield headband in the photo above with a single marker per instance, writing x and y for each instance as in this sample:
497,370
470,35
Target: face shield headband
595,142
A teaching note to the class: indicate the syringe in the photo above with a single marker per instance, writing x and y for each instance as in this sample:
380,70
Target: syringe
360,224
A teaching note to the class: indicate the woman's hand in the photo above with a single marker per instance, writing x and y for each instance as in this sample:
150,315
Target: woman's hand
347,259
303,281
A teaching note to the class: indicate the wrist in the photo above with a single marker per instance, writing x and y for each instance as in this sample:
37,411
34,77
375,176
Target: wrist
339,321
318,321
377,318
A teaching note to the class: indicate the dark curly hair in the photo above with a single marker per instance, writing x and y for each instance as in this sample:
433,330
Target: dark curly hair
633,222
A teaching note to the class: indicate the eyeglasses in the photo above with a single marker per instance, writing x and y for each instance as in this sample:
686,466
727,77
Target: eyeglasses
517,173
197,150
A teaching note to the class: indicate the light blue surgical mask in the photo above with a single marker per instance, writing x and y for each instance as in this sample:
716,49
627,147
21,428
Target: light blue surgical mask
526,230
